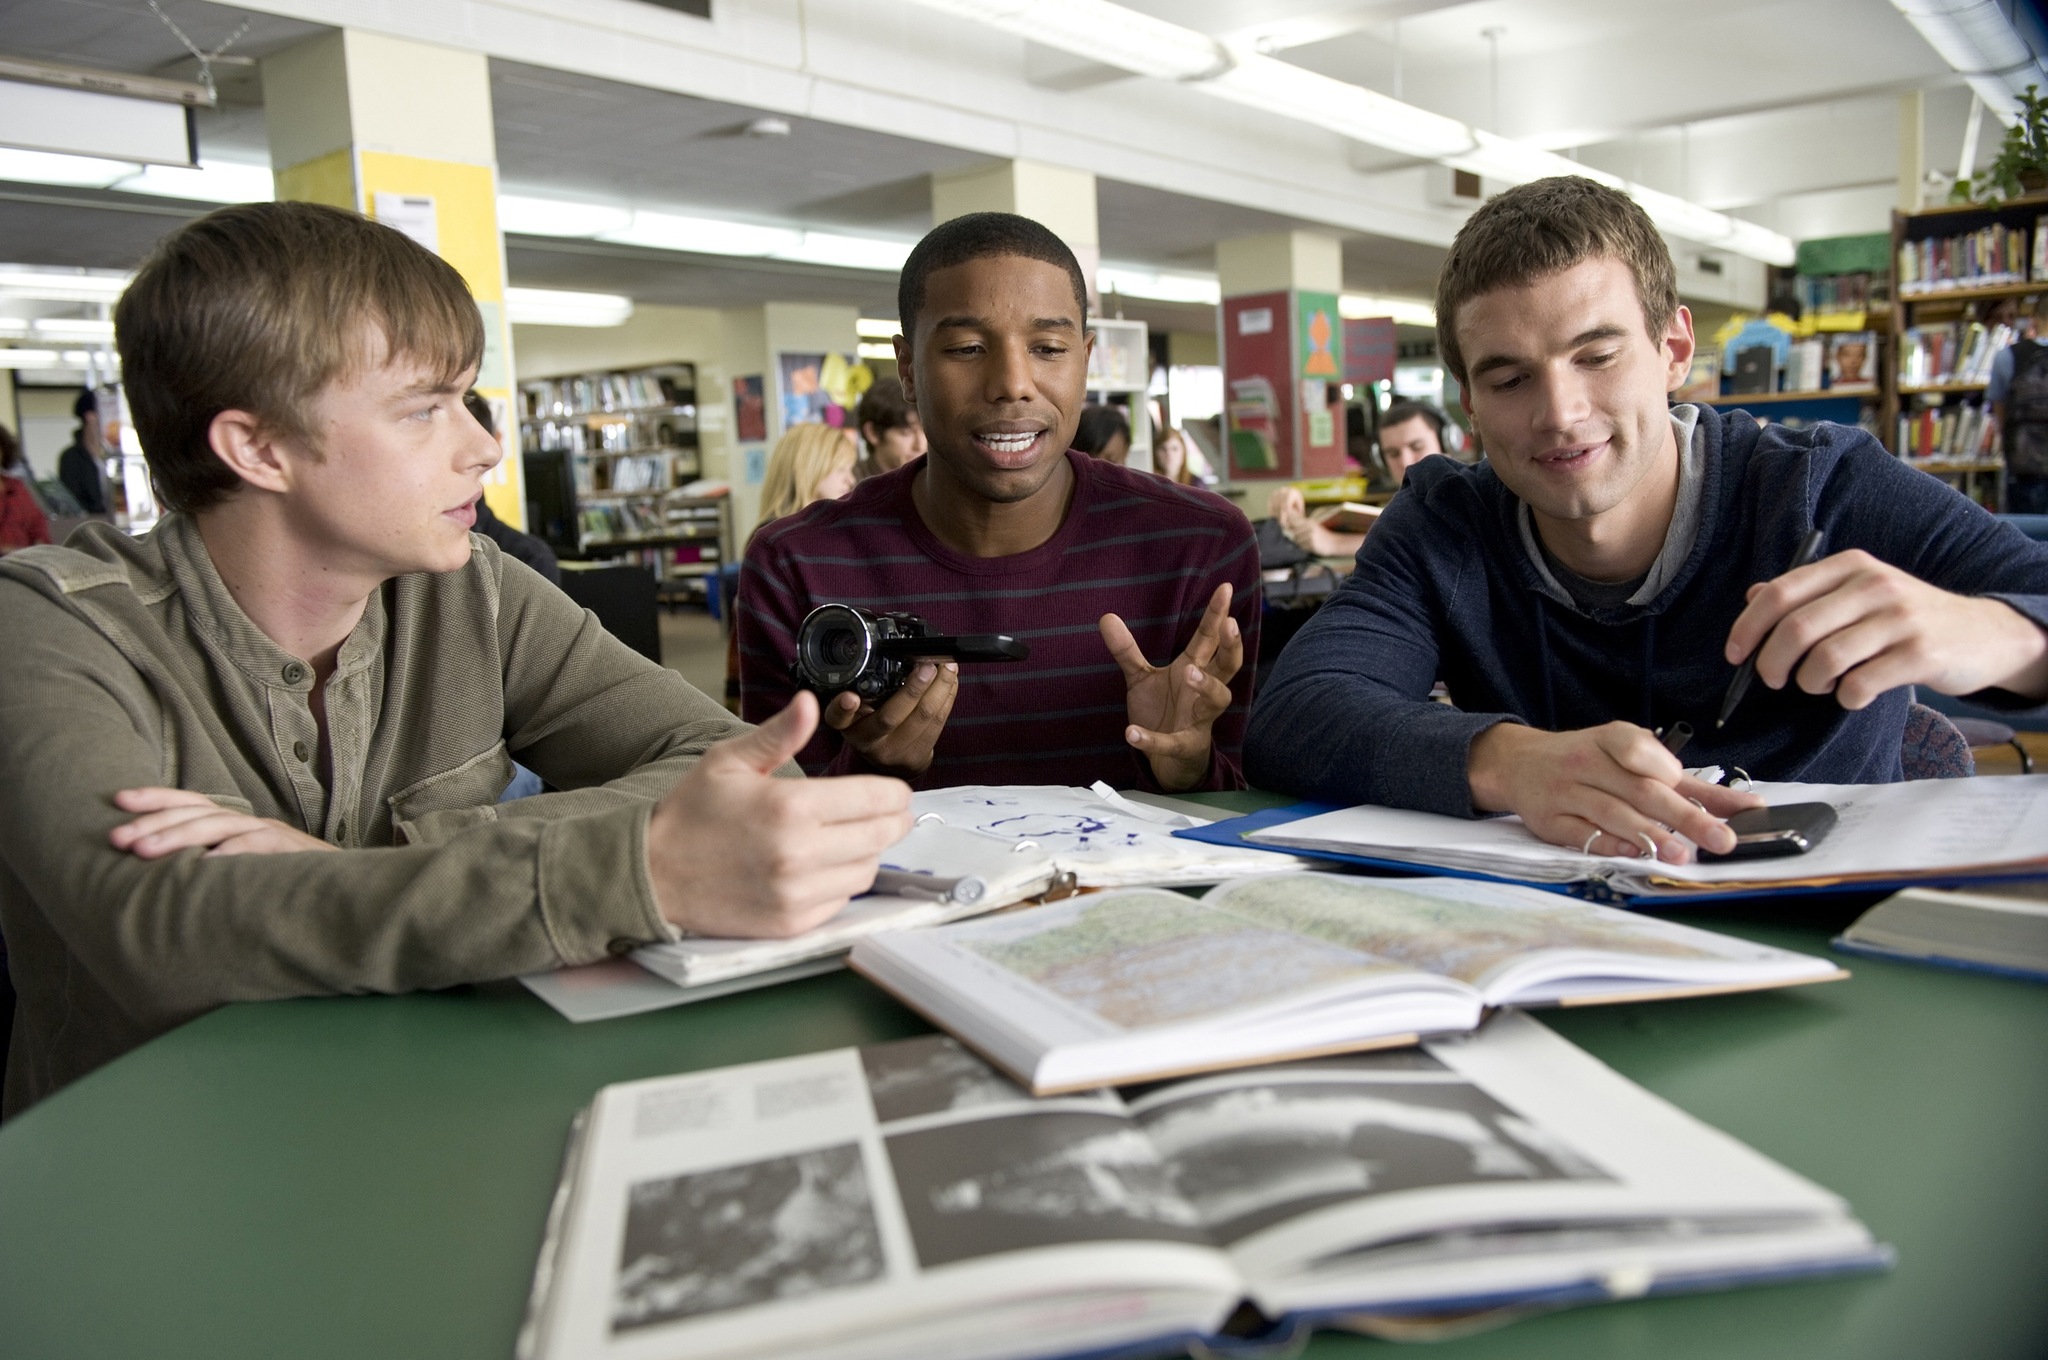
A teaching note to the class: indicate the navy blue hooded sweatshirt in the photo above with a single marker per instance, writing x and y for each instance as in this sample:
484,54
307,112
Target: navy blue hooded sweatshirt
1444,589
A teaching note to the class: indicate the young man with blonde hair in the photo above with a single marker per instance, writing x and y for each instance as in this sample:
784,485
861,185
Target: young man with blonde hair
313,653
1614,559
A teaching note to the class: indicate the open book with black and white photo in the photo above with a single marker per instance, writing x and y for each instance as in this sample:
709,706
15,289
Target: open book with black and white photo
1928,830
1145,984
905,1199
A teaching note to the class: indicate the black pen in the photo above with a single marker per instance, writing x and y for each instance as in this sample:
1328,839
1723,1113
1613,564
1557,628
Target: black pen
1676,736
1808,554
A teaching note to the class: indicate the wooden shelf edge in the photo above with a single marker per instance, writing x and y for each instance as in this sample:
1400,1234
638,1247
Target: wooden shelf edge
1926,388
1995,290
1757,398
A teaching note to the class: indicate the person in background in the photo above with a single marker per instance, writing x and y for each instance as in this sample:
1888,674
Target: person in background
889,428
2018,394
511,541
22,523
1103,433
1170,456
810,463
1410,431
83,466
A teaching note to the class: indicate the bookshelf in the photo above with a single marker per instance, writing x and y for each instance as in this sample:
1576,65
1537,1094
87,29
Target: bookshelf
1963,277
1121,365
613,474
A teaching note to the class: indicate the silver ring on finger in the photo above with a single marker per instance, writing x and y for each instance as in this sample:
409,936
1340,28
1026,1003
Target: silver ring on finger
1587,848
1650,845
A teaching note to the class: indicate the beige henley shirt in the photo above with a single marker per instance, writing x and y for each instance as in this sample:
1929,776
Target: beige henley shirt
125,662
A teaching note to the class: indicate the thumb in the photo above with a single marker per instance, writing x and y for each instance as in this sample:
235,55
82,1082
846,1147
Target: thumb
773,743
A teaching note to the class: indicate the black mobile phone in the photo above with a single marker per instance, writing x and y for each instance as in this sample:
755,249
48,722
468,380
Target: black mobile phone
1771,832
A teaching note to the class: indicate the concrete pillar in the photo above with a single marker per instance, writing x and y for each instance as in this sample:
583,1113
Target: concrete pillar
401,131
775,350
1062,199
1283,355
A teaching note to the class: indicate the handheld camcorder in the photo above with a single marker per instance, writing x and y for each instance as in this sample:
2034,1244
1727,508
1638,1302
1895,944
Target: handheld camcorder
840,648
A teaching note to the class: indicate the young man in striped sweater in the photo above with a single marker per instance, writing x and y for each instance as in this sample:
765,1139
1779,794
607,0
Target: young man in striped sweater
1001,528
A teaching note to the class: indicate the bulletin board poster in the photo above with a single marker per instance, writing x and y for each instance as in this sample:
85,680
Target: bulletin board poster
1369,350
1319,346
749,409
1258,386
803,389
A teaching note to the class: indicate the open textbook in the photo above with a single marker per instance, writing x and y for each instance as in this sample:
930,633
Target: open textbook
906,1200
1933,830
1144,984
973,849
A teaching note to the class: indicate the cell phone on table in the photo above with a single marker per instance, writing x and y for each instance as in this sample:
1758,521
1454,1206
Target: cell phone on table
1773,832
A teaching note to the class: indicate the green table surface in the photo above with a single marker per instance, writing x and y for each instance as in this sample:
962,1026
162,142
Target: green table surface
367,1177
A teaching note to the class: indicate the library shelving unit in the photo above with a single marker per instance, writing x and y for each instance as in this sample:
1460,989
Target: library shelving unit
1121,365
613,474
1962,273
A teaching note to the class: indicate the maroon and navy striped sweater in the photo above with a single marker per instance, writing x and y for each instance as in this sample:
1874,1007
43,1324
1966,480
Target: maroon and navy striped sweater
1132,544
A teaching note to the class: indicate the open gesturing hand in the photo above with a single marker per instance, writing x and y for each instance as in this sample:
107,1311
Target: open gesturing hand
1173,707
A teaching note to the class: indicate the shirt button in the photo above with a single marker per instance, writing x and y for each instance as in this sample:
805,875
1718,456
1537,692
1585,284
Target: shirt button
293,673
622,946
341,830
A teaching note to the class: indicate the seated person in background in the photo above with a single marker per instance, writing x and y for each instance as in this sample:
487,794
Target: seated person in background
2018,394
1410,431
889,429
1613,561
1103,432
312,652
82,467
22,522
511,541
1170,456
810,463
1002,528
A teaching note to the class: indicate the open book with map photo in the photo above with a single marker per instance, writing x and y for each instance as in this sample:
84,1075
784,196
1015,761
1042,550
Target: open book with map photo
1144,984
907,1200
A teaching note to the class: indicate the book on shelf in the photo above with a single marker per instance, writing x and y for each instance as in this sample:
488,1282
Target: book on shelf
1145,984
1997,928
1989,257
902,1199
666,385
1963,434
1960,353
1756,371
1834,294
975,848
1703,378
1927,831
1806,365
1852,361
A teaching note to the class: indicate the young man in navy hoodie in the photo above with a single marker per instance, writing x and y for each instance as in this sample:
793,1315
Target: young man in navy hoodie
1614,559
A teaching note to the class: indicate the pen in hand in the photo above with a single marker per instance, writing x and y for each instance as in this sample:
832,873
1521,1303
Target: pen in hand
1808,554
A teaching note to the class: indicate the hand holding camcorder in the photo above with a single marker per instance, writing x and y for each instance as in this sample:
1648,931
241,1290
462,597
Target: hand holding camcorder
841,648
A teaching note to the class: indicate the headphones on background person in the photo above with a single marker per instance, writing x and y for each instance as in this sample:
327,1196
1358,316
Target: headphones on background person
1449,433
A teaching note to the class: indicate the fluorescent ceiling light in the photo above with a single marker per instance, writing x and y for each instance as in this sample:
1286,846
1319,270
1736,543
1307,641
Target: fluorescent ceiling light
1977,39
56,285
1403,311
872,349
702,235
876,328
212,182
47,167
1126,281
1256,81
73,328
559,217
555,307
847,252
1111,34
29,358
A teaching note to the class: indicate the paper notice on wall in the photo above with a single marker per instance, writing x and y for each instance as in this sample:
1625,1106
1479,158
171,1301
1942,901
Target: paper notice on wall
1250,321
413,214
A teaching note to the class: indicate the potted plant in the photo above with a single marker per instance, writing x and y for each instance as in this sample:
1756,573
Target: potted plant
2022,164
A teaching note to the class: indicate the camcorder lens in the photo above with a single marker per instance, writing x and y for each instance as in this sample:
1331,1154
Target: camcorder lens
840,646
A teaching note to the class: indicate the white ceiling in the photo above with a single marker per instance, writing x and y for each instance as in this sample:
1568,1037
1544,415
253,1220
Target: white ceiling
1725,104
